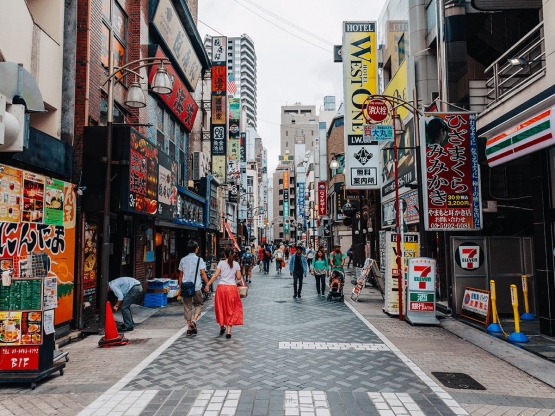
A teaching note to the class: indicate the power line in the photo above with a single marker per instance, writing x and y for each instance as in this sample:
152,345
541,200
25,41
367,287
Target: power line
210,27
279,27
288,22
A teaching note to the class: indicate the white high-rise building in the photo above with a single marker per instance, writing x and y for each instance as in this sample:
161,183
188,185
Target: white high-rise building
241,63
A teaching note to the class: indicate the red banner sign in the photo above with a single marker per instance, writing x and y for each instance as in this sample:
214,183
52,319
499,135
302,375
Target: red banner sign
180,101
19,358
322,199
451,172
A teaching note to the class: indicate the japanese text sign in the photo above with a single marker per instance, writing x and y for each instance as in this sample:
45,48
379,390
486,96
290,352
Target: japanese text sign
322,199
451,173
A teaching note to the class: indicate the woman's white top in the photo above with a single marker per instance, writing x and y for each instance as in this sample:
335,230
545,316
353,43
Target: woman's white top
227,274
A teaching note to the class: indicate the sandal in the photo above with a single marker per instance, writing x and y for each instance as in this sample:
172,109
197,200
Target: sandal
222,330
193,327
189,332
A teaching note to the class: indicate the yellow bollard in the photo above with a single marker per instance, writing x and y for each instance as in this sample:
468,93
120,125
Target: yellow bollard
526,316
494,326
516,336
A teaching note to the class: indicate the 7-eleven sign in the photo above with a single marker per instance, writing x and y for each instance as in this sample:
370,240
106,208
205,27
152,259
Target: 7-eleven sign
422,273
470,257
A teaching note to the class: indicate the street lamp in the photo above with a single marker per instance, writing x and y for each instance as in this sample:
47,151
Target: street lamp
135,99
334,163
398,129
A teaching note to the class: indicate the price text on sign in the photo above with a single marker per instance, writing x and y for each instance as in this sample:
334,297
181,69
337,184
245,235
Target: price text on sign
19,358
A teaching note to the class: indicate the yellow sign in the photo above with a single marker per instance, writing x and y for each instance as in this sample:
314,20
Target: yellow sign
218,167
285,179
360,71
397,87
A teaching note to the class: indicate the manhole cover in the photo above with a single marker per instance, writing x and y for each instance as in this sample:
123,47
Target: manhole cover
458,381
138,340
280,301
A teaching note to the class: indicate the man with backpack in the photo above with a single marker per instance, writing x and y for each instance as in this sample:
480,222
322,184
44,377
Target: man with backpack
278,254
298,269
351,256
247,261
267,258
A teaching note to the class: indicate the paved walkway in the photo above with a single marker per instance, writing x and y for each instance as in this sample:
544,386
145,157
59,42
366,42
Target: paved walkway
292,357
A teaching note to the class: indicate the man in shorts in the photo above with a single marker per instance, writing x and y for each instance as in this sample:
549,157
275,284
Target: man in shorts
247,261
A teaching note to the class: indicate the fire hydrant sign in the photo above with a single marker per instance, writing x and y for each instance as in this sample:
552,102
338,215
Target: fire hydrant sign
421,308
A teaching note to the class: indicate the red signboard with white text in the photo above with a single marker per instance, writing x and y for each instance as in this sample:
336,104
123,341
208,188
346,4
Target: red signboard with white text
322,199
19,358
451,173
180,101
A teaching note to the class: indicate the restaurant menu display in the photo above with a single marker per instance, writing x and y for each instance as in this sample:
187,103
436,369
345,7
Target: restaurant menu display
33,197
21,328
50,296
54,202
10,194
23,294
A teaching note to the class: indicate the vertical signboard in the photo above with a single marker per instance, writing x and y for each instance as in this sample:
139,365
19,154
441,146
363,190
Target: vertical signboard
322,199
421,305
451,173
218,121
285,202
168,24
362,160
243,209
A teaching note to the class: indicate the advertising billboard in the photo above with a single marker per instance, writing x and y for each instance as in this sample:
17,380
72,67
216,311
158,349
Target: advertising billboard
360,80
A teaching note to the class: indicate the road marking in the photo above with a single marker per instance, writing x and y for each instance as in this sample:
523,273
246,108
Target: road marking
216,402
112,395
442,394
389,404
125,403
306,403
332,346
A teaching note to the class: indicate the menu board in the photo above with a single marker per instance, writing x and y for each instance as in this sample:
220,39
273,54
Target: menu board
33,197
20,328
23,294
10,194
54,202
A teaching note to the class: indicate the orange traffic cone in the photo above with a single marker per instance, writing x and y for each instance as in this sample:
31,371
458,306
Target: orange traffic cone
111,336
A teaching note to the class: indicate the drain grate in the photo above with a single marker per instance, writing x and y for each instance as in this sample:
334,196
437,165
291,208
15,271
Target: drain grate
280,301
458,381
139,340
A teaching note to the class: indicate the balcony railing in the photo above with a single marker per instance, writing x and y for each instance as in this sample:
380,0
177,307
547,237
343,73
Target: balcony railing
504,80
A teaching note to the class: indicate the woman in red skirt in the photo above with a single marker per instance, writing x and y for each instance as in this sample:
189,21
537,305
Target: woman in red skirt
227,303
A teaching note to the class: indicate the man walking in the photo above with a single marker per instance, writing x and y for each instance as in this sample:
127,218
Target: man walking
128,291
298,269
247,262
192,269
309,255
267,258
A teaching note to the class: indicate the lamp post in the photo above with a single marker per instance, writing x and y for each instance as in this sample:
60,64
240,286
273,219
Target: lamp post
161,84
393,103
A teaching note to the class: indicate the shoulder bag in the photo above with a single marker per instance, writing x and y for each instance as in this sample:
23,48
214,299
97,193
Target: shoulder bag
243,289
188,288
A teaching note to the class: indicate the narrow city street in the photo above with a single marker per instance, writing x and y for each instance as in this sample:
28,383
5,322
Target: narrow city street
303,356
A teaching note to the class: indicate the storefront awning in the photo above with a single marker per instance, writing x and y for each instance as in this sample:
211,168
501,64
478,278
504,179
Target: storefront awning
538,132
228,228
190,223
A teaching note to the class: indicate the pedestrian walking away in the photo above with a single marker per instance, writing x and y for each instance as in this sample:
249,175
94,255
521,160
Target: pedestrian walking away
227,303
310,255
247,261
278,255
337,259
267,258
286,253
320,270
351,256
128,290
192,269
298,269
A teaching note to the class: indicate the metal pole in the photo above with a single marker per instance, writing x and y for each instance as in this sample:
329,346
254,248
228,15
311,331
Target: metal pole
362,252
423,242
106,246
397,219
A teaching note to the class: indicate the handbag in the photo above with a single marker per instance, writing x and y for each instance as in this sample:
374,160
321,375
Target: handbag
188,288
282,264
243,289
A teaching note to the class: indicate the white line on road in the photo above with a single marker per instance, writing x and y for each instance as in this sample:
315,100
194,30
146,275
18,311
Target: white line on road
332,346
216,402
389,404
306,403
442,394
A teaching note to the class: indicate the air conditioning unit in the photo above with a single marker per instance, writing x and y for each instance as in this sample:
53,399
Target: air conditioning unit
201,165
489,206
14,126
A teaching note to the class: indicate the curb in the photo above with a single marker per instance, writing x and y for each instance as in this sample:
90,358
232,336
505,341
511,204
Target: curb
531,364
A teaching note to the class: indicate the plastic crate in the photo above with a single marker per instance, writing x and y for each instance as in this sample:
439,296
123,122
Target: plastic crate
158,283
155,300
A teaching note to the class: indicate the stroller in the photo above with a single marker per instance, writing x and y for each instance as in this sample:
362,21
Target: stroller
337,281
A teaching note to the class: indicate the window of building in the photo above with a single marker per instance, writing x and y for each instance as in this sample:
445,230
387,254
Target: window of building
286,144
281,182
401,48
114,23
280,192
280,212
281,202
287,132
280,235
230,48
230,68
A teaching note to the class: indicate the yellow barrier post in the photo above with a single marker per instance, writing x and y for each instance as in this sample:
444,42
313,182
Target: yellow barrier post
526,316
516,336
494,326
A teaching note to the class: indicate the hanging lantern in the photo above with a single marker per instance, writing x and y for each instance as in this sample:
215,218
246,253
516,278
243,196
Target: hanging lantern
158,239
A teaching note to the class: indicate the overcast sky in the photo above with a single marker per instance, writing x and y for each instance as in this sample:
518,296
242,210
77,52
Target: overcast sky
289,69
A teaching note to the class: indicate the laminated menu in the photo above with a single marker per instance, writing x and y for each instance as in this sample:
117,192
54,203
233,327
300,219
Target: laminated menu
23,294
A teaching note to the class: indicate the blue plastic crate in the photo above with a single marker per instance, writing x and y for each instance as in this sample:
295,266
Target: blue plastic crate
158,283
155,300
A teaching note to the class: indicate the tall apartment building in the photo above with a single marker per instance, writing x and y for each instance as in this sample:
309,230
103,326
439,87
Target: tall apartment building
299,125
241,63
